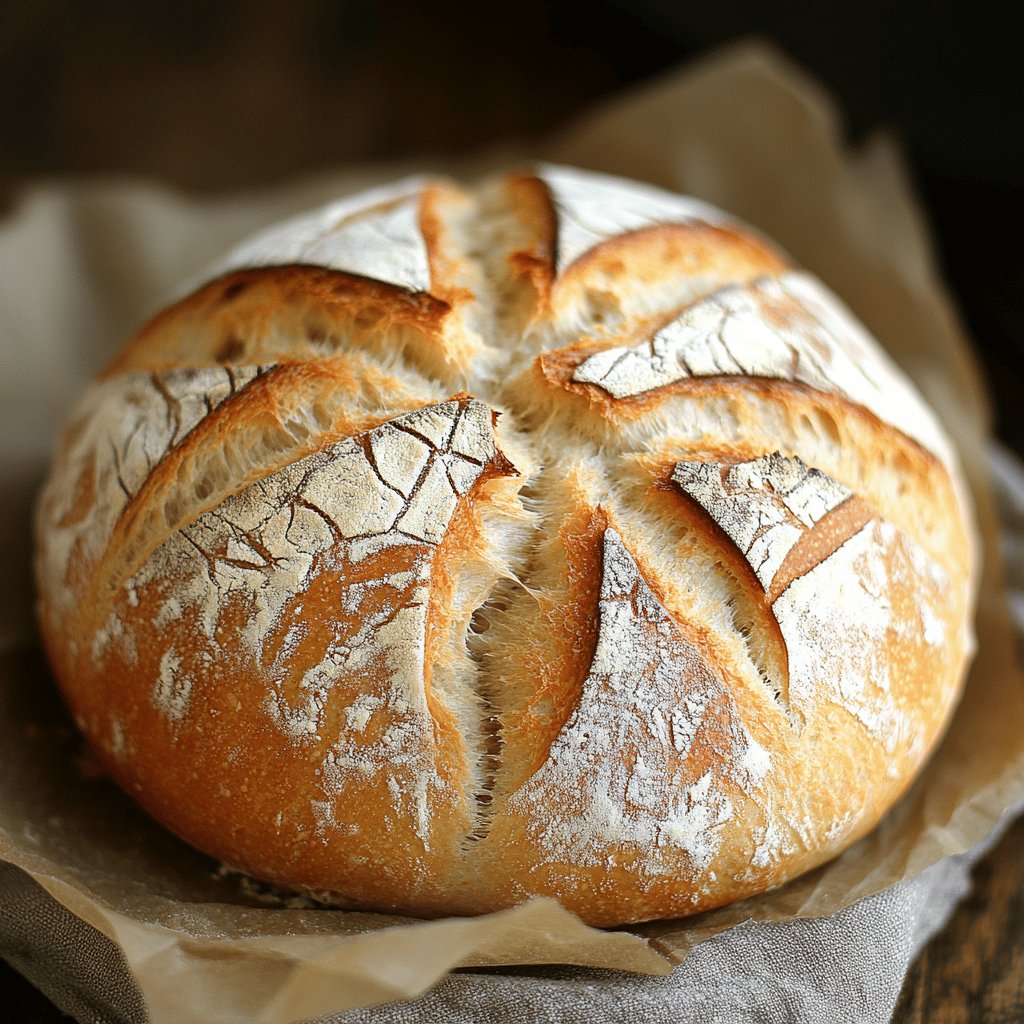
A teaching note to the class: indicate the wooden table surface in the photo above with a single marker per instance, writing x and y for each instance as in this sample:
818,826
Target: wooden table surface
972,972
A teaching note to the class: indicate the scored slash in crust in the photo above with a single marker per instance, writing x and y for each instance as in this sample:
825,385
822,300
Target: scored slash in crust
682,624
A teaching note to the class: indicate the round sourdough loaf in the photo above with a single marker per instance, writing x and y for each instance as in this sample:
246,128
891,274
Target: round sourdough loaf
550,536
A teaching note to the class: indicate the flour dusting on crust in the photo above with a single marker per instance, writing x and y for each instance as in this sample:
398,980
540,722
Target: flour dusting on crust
785,328
765,506
373,234
838,614
128,425
619,776
173,687
366,514
593,208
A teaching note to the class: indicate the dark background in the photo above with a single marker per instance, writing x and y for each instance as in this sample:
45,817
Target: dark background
216,96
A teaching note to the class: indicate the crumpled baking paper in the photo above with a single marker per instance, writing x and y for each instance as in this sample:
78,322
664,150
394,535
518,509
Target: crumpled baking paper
139,923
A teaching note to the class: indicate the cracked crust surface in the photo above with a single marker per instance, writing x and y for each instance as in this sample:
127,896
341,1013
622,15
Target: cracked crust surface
551,536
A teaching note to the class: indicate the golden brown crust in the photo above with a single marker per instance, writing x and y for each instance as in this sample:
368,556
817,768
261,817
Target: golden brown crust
163,505
698,250
442,249
274,314
273,817
535,259
867,444
681,624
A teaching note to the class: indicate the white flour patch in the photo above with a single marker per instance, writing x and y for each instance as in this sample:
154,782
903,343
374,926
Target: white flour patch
765,506
787,328
129,424
373,234
118,745
388,490
837,618
933,628
173,687
358,713
113,635
611,782
593,208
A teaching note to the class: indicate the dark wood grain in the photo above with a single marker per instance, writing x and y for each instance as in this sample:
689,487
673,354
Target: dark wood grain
973,971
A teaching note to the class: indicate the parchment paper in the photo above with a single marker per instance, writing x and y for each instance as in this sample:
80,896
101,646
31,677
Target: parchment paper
81,264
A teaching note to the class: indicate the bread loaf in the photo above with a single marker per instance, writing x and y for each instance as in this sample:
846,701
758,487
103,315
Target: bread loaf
552,536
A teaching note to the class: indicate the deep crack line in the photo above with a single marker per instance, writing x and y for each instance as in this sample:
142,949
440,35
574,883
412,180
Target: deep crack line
489,689
490,737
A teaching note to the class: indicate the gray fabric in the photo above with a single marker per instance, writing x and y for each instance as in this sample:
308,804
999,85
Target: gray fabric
78,968
847,967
